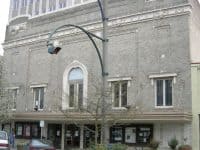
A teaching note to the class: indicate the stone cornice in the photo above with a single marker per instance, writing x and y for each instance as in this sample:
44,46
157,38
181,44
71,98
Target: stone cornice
124,117
114,22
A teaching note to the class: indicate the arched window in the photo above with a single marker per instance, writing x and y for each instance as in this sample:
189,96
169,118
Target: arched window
75,81
75,85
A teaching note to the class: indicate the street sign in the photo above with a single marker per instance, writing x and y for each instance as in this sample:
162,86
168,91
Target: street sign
41,123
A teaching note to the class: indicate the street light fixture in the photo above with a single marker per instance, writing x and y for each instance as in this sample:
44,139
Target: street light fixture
52,49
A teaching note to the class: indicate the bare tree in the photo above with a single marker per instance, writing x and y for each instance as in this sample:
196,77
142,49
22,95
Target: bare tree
93,111
5,97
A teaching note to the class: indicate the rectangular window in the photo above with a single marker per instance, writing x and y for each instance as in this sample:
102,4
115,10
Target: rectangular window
71,95
164,92
124,94
80,95
120,93
18,129
143,135
76,95
116,95
12,93
39,97
116,134
27,130
131,134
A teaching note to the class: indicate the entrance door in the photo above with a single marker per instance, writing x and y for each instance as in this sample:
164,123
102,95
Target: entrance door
54,134
89,135
72,136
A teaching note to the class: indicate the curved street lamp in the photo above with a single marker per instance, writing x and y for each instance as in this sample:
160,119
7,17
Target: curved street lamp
52,49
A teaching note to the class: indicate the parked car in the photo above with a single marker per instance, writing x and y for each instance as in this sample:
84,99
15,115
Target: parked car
4,143
37,144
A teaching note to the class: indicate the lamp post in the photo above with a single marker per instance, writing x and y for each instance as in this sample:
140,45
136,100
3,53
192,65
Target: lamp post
52,49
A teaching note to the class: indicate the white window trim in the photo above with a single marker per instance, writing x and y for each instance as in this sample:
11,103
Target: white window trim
32,86
163,76
114,79
76,97
13,88
65,93
120,92
164,100
38,99
38,85
149,1
166,75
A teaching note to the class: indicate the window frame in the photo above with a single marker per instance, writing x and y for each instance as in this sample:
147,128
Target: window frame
164,101
138,133
119,81
23,132
14,98
39,97
65,93
76,83
14,91
168,76
40,86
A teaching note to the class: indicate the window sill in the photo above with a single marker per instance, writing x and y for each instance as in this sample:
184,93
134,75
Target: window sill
70,108
119,108
164,107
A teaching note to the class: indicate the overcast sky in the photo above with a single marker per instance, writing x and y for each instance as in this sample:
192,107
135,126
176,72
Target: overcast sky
4,11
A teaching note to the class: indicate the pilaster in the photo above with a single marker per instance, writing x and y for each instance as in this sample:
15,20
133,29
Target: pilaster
33,10
81,136
63,137
47,5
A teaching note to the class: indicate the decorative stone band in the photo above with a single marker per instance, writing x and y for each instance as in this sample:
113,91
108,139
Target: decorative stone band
121,117
114,22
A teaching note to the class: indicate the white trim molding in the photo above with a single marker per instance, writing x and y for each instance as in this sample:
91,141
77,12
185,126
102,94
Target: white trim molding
38,85
163,75
65,93
113,22
12,88
113,79
44,85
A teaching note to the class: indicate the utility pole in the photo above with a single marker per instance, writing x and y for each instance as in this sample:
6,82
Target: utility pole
105,64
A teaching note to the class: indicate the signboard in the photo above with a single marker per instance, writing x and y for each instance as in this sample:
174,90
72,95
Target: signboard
41,123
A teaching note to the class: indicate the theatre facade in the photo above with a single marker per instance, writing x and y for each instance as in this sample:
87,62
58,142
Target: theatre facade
148,88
